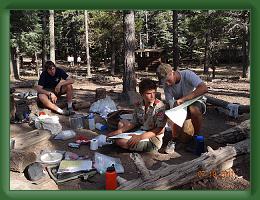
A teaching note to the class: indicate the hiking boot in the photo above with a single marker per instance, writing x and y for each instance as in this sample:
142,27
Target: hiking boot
170,147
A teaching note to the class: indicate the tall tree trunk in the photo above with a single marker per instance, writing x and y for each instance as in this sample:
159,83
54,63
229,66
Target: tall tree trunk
44,31
113,56
15,64
146,29
206,54
244,48
87,44
11,66
52,36
129,79
176,53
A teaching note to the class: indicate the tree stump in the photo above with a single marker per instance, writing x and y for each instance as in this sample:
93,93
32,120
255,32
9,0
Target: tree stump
100,93
19,160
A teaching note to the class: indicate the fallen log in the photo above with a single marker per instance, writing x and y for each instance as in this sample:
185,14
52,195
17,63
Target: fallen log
224,104
233,135
81,105
170,176
31,138
19,160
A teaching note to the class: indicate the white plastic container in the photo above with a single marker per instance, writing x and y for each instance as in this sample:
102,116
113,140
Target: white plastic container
93,144
91,121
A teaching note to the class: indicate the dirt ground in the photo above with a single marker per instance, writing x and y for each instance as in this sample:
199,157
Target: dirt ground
233,91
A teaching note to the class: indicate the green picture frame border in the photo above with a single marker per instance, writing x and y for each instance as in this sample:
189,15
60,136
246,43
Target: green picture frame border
7,5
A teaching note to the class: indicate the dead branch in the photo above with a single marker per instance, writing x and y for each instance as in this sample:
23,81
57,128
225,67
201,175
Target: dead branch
171,176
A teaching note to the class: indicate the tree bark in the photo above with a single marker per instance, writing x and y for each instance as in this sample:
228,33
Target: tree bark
176,53
44,32
113,55
15,62
206,56
244,46
52,36
87,43
129,79
233,135
218,102
170,176
12,77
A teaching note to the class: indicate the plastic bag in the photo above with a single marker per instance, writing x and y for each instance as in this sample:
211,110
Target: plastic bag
103,107
65,135
102,162
47,122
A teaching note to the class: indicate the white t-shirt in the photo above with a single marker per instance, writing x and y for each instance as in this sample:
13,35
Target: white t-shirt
188,82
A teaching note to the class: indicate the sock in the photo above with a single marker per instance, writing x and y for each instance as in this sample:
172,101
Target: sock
69,104
60,111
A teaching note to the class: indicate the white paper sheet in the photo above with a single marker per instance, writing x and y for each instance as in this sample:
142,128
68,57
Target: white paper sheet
127,136
178,114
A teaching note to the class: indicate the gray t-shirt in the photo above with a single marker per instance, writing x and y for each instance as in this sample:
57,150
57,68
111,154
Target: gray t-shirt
189,81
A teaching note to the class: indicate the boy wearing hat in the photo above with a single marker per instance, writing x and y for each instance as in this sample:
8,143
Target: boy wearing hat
181,86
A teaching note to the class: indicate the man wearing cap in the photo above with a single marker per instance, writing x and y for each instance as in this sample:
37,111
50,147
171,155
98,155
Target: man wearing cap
148,116
181,86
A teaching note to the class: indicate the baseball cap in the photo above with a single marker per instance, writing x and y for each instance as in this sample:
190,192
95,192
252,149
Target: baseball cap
163,70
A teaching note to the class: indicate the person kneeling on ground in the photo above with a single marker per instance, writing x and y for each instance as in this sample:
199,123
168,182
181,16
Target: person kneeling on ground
148,116
181,86
52,84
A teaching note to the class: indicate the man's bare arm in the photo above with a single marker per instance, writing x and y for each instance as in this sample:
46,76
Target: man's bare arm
200,90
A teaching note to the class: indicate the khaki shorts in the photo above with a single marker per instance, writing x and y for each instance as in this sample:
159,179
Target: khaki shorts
154,144
201,105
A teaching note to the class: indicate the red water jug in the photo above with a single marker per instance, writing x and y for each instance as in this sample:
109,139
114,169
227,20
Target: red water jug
111,182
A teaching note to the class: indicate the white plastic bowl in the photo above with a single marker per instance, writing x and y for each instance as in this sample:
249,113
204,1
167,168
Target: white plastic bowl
51,158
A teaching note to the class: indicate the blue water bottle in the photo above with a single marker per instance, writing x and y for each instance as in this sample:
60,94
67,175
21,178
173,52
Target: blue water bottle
200,148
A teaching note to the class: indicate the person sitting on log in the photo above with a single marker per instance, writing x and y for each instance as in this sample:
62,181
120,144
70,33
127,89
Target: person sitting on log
148,116
54,82
181,86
